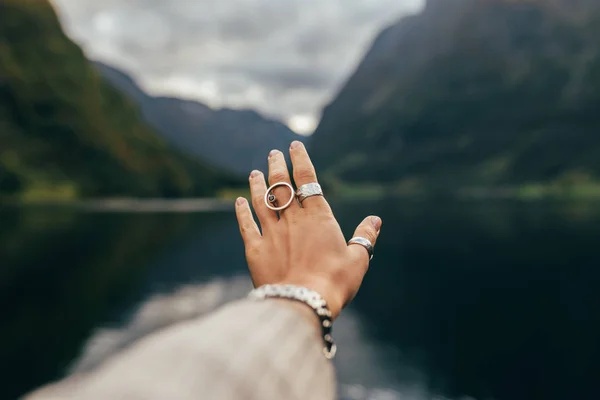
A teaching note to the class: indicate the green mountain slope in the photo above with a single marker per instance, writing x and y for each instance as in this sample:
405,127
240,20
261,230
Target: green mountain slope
472,93
233,139
66,132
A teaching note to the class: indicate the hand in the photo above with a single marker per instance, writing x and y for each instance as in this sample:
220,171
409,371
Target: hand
303,246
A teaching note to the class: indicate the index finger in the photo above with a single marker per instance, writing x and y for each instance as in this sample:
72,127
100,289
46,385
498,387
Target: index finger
304,172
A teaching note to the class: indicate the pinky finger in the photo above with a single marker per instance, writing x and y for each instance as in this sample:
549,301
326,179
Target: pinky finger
248,227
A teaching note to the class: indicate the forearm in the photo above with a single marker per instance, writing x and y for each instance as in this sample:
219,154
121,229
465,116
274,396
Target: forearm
303,311
250,349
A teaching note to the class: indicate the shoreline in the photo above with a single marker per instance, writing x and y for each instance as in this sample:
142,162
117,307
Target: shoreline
522,193
141,205
350,193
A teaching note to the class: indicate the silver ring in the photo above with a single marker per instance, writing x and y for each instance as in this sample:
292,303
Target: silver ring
270,198
308,190
364,243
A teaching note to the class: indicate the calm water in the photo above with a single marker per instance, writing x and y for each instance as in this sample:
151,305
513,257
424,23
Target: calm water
489,301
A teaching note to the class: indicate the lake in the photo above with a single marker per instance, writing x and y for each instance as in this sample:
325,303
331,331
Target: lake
481,300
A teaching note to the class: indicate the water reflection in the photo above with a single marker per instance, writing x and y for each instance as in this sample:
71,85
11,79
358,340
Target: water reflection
361,364
492,301
495,301
65,272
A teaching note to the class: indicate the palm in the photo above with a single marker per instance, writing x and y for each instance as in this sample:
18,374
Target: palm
305,246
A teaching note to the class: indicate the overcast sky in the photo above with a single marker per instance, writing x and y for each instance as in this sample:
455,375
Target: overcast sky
285,58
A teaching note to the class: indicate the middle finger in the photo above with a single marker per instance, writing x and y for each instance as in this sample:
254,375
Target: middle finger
304,173
278,172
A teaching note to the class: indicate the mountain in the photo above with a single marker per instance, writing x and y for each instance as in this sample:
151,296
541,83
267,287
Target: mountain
471,93
66,132
237,140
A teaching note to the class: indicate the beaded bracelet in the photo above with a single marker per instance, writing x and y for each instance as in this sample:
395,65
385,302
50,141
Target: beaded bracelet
308,297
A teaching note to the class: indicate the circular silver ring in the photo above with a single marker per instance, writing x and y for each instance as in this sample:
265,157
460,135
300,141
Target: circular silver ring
270,198
366,243
308,190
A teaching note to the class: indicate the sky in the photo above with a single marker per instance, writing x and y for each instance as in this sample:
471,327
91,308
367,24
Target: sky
283,58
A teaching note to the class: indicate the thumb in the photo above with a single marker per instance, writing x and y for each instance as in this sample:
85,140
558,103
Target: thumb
368,229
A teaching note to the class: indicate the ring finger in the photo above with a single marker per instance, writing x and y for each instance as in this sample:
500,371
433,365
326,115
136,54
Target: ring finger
278,173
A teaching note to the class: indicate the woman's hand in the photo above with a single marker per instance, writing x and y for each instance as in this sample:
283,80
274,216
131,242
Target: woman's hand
305,245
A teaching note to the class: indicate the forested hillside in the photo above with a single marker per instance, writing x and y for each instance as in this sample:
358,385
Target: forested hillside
65,132
472,93
236,140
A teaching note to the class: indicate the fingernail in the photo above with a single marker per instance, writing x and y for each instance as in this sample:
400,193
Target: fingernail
273,152
240,201
295,144
254,173
376,222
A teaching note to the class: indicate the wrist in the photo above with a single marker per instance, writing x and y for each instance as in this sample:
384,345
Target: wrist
303,309
324,288
311,299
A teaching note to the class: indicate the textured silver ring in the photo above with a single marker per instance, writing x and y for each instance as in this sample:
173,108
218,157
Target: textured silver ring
308,190
366,243
270,198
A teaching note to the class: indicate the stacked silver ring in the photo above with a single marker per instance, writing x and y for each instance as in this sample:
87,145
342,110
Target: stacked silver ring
303,193
308,190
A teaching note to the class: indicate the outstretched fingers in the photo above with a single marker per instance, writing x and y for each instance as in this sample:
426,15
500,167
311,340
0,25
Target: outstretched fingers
248,228
278,173
258,188
304,172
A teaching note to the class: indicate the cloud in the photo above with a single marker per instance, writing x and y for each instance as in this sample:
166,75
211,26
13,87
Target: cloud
284,58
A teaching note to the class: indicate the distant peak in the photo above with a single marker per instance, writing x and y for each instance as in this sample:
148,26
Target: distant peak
114,70
248,112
